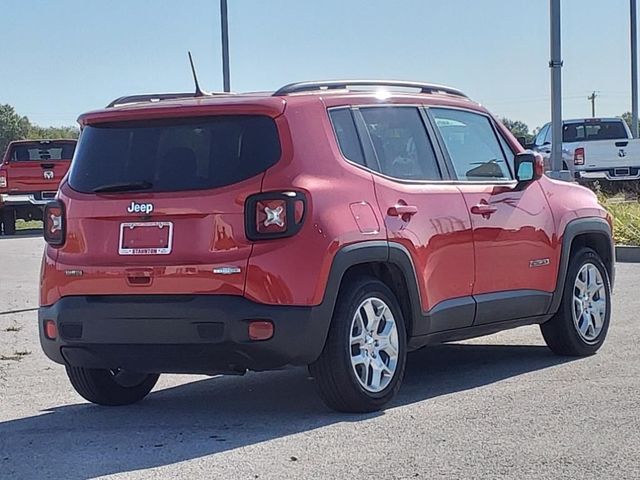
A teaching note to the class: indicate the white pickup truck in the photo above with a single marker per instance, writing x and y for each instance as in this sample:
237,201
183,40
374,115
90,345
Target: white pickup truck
594,148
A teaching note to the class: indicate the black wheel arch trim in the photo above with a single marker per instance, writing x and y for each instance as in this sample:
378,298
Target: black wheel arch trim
575,228
374,251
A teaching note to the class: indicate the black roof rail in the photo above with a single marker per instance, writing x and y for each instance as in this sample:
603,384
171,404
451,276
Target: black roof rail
156,97
148,97
345,84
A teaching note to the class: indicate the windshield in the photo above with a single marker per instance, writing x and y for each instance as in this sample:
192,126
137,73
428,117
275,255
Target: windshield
594,130
40,151
174,155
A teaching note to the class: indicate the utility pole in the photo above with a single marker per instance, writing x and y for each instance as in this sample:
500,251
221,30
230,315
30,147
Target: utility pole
593,97
224,23
556,90
634,68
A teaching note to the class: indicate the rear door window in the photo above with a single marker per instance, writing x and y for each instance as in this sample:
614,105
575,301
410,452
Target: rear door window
401,143
174,155
472,144
44,151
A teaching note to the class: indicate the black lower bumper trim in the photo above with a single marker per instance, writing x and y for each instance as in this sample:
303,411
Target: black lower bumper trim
179,333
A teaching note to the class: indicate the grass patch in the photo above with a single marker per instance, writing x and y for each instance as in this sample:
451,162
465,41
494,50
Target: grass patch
625,210
30,225
626,222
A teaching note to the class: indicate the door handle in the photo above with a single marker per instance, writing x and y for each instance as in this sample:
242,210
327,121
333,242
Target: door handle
484,209
402,211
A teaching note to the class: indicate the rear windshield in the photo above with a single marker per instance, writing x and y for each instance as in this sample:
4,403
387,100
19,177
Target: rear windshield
42,151
594,130
174,155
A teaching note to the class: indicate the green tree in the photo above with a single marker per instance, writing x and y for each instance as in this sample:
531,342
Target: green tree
37,132
16,127
12,126
517,128
626,116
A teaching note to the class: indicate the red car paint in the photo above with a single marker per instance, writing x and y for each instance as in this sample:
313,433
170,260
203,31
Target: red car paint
455,252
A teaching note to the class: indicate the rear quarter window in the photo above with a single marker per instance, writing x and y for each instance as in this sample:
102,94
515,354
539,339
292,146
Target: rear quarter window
347,135
176,154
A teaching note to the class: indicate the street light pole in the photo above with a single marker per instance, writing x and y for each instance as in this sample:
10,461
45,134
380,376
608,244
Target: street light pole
224,23
634,68
556,89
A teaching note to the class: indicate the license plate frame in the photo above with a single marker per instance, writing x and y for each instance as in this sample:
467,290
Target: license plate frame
122,250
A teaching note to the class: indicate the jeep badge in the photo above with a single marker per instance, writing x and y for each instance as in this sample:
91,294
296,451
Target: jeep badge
140,208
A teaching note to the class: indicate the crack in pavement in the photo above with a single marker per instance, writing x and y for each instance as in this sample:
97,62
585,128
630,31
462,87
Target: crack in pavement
22,310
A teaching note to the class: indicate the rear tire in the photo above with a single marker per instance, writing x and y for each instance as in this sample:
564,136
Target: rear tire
109,387
364,358
9,220
580,326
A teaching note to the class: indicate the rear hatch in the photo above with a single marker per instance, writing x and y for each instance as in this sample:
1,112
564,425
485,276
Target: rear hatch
38,166
157,206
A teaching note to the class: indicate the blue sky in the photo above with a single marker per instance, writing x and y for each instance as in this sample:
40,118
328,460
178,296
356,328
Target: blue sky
60,58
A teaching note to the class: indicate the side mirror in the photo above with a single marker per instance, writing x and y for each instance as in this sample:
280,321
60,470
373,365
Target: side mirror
529,167
522,141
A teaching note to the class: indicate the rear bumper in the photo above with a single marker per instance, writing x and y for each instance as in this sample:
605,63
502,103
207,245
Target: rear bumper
611,174
179,333
25,199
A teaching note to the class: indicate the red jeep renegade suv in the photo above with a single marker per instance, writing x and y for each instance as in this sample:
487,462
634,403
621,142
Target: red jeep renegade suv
334,224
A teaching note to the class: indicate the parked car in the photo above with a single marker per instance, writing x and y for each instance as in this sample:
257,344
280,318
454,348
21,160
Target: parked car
594,148
333,224
30,173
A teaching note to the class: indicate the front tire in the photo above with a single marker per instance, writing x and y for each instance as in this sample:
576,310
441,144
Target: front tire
364,358
111,387
580,326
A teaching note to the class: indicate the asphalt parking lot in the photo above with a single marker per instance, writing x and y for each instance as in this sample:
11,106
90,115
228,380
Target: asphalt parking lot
500,406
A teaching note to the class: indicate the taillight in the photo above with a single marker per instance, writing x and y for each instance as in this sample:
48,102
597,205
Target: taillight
54,223
274,215
3,179
578,156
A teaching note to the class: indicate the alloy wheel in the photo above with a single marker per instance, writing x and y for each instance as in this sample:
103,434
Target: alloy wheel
589,302
374,344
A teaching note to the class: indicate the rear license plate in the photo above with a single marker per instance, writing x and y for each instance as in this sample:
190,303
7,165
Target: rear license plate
145,238
621,172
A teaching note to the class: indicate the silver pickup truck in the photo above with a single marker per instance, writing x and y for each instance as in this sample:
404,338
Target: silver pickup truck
594,148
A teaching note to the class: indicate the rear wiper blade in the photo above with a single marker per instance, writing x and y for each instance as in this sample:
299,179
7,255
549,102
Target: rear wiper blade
123,187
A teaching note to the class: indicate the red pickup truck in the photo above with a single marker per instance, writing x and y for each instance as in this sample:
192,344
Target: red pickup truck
30,173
